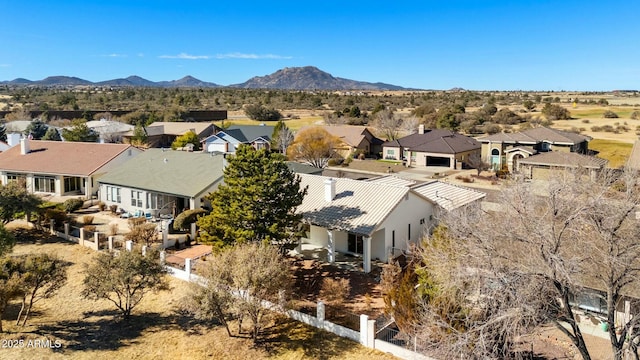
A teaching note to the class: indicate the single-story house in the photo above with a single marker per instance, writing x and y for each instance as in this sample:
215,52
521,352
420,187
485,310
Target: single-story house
508,148
432,147
62,168
163,181
110,131
541,165
228,140
355,138
162,134
375,219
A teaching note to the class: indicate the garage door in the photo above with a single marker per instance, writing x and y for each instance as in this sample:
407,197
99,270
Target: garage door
438,161
217,147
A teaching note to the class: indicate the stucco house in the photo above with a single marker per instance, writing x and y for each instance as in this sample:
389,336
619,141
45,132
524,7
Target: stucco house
541,165
506,149
62,168
228,140
432,147
374,219
162,134
162,181
355,138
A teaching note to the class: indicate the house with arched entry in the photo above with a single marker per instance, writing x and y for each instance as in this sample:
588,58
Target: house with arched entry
506,149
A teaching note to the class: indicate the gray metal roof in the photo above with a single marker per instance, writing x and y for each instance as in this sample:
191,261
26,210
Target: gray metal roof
448,196
392,180
359,206
168,171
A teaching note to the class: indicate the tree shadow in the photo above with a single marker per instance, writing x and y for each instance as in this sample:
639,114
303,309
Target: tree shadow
107,330
288,335
37,237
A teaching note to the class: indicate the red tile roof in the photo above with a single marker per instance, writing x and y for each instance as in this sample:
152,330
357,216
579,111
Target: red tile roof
59,157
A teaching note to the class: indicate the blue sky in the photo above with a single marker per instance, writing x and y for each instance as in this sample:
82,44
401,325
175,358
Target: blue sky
473,44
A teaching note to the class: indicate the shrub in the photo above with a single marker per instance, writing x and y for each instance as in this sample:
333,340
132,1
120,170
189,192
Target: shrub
133,222
88,219
635,115
113,229
334,291
585,121
102,206
58,216
334,162
609,115
71,205
186,218
113,208
91,228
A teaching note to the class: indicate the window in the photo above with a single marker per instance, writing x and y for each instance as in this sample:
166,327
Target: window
72,184
136,198
16,178
354,243
409,232
113,194
157,201
44,184
393,238
495,152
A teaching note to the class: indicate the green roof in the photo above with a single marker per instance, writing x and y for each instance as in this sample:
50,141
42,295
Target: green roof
172,172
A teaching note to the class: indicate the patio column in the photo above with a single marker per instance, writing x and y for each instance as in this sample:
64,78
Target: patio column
331,247
366,254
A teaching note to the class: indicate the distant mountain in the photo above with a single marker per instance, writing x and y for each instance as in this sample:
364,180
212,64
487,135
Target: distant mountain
187,81
294,78
310,78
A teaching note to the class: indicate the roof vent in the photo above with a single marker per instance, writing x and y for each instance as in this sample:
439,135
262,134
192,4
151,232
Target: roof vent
165,160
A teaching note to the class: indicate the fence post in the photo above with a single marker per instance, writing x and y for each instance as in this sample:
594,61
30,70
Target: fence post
52,228
364,324
110,242
66,231
320,311
187,266
165,235
371,334
96,239
144,250
128,245
81,241
193,232
163,256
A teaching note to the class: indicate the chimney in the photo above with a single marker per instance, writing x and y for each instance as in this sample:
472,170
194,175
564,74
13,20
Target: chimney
421,129
329,189
24,146
13,139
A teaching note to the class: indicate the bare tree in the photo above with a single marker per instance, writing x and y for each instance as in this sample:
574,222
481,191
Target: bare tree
410,125
244,281
577,233
386,121
284,139
476,162
143,233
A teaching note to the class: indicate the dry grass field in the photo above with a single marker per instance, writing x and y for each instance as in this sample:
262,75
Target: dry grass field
87,329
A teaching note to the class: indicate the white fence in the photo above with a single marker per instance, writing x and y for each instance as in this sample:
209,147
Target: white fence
365,335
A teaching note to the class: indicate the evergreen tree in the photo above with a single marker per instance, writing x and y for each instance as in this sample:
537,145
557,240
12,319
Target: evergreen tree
52,134
256,203
80,132
36,129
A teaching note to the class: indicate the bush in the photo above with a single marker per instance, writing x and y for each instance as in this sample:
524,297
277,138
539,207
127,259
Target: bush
72,205
609,115
88,219
113,229
186,218
261,113
334,162
334,292
102,206
585,121
58,216
91,228
113,208
635,115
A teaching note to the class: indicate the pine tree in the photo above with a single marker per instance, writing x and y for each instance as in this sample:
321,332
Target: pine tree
52,135
80,132
36,129
256,203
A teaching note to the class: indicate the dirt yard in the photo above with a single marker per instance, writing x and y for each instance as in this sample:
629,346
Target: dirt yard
87,329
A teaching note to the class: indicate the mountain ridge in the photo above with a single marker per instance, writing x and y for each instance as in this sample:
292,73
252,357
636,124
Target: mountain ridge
288,78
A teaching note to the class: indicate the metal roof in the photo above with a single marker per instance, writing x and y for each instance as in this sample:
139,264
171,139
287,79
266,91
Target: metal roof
359,206
448,196
392,180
